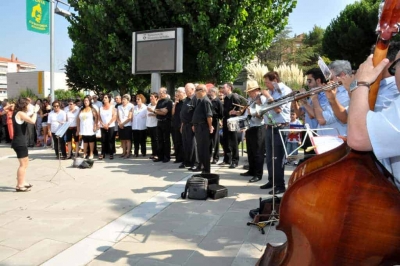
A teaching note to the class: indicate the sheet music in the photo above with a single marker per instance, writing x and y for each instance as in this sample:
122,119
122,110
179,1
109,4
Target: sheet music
325,143
62,129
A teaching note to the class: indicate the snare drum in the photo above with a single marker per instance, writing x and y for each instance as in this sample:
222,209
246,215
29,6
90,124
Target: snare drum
238,123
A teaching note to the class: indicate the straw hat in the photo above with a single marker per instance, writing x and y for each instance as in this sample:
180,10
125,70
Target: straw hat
252,85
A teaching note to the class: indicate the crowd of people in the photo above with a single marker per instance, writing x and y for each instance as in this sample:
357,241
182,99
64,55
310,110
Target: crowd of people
200,118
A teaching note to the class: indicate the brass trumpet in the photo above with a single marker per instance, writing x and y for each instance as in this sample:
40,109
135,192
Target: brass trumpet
294,96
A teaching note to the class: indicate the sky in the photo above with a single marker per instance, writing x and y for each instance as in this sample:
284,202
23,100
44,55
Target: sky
34,48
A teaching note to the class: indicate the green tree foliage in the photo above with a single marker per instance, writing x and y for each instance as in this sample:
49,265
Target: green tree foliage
277,52
220,37
351,35
302,51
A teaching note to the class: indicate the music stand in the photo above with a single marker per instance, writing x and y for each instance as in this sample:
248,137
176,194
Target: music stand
60,134
327,143
274,215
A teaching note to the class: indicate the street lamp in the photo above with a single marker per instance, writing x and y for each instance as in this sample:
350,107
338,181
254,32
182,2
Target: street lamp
65,14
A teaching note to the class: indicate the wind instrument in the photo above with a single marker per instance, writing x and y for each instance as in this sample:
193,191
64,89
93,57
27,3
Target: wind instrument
293,96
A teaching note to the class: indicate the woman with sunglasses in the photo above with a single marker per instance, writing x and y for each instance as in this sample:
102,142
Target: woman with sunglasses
56,119
20,119
108,115
87,126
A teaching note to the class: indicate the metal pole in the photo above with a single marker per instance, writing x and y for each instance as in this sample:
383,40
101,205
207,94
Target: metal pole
155,82
52,50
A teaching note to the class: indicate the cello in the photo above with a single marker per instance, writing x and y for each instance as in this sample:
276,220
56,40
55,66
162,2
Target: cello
340,207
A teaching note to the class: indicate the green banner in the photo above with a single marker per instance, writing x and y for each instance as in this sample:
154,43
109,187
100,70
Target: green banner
37,16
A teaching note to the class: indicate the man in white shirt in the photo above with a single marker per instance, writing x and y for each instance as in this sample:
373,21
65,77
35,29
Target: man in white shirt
377,131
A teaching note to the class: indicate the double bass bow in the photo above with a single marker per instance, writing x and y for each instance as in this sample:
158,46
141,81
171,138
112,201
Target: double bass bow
340,207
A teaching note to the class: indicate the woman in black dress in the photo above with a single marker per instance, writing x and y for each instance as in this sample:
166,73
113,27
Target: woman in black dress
20,120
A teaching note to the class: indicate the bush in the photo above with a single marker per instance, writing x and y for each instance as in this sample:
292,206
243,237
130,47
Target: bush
291,75
69,94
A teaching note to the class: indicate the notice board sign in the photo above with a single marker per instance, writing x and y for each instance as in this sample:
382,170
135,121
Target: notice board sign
157,51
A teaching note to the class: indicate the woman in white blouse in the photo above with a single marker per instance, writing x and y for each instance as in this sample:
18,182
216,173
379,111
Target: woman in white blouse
107,118
87,126
151,124
124,119
139,125
72,114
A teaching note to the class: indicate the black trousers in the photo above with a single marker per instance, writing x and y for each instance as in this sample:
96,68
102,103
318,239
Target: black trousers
189,145
107,141
276,151
8,139
202,135
30,135
139,139
57,148
214,144
152,131
231,150
255,141
178,144
164,140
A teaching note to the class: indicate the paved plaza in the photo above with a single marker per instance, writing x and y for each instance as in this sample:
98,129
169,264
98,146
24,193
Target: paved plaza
124,212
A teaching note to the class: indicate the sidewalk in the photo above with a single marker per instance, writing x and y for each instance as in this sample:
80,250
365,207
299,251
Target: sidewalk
124,212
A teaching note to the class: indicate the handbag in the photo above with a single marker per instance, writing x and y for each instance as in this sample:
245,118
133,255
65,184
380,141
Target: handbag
196,188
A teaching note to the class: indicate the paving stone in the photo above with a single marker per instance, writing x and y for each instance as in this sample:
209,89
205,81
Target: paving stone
37,253
6,252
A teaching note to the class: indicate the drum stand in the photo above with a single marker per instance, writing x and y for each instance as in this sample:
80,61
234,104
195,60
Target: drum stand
274,215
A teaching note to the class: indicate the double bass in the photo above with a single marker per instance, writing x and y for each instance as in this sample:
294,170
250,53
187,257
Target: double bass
341,207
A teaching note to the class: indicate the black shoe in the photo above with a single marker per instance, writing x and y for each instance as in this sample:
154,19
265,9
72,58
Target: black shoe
136,155
278,190
176,161
152,157
182,166
266,186
246,167
223,163
255,179
195,169
214,162
233,165
205,172
165,160
157,160
246,174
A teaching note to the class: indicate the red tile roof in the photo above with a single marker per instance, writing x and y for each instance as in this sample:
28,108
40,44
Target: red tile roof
3,59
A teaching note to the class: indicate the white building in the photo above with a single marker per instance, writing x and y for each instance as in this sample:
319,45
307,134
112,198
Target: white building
36,81
10,66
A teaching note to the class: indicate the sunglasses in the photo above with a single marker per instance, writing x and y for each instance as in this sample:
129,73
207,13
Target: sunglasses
392,68
56,106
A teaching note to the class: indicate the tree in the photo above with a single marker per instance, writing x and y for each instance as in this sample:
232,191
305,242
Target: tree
220,37
280,47
351,35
